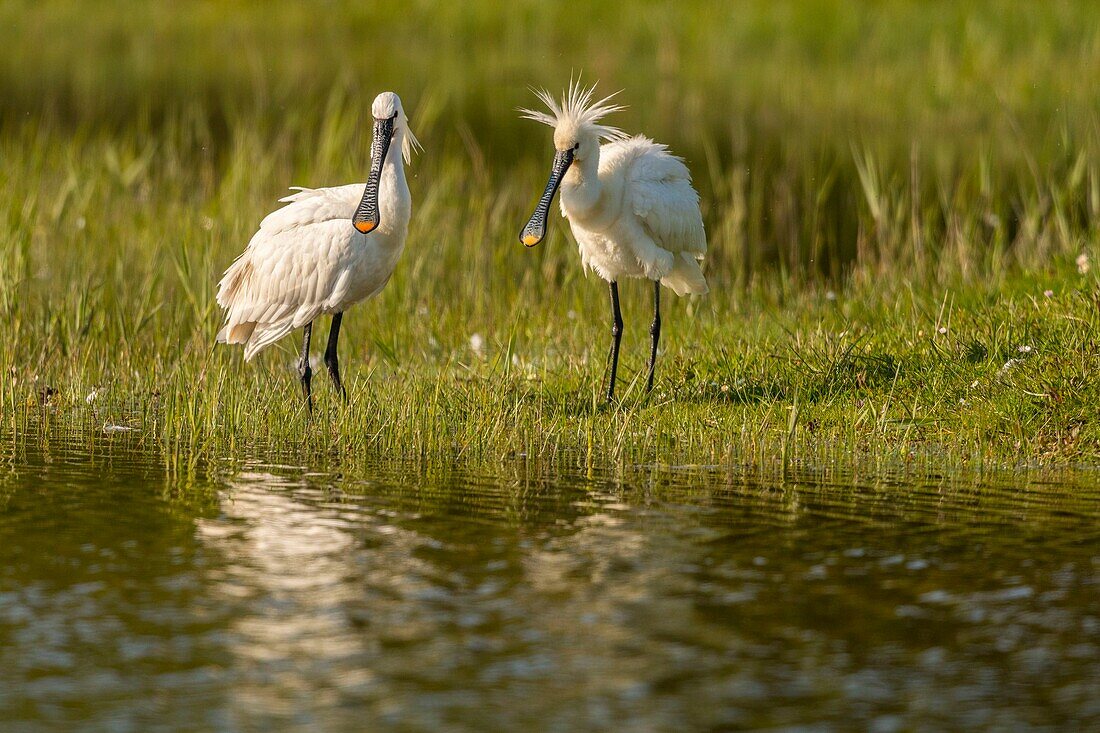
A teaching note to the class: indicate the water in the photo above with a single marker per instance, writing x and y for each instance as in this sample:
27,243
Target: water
264,598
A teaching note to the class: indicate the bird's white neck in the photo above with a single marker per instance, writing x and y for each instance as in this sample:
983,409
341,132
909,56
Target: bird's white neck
394,199
581,189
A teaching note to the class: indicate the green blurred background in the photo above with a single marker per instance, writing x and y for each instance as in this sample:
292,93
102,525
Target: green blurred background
772,103
802,71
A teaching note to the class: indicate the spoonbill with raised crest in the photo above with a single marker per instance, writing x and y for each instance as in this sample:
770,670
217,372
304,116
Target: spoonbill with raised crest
328,249
630,205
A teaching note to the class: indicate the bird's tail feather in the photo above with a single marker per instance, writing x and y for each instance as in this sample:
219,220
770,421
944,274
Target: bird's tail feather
235,279
264,335
686,277
236,333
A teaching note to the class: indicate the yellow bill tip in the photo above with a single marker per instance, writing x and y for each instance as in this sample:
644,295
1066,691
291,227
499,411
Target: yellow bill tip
365,227
530,240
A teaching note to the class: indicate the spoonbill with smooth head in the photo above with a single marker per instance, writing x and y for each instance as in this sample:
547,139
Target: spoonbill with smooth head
328,249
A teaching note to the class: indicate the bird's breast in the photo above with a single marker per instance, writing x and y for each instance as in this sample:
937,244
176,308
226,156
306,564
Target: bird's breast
587,209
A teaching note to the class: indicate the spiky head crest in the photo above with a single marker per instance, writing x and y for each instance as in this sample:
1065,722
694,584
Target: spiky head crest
575,115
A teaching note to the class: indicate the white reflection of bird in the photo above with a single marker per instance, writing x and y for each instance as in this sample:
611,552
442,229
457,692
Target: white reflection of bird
629,202
327,250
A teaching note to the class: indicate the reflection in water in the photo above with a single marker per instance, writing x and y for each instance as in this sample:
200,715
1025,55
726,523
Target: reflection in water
284,576
276,598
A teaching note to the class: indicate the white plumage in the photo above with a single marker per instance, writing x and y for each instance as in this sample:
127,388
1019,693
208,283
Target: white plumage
646,222
629,203
308,259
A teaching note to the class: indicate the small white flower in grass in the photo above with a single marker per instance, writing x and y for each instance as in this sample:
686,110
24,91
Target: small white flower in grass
571,315
1048,293
1024,349
942,330
830,295
1083,263
477,344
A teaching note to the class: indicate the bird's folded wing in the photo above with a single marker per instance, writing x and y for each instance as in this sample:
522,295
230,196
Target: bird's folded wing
660,193
312,206
288,276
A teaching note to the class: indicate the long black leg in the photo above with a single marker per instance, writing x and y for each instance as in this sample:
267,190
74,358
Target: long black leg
616,336
332,361
303,368
655,332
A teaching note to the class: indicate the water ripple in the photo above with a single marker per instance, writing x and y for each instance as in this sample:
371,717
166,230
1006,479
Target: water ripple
270,596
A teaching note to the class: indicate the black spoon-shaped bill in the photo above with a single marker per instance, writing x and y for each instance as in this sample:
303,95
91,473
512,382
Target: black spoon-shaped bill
535,230
366,218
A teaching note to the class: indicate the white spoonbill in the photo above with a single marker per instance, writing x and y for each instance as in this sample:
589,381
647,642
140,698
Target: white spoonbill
629,202
328,249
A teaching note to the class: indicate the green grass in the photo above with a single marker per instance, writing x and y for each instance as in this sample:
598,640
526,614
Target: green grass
890,190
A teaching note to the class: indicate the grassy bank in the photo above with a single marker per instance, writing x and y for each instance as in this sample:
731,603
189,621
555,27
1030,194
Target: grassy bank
902,200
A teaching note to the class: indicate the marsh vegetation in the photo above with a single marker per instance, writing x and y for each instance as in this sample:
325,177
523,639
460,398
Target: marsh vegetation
902,202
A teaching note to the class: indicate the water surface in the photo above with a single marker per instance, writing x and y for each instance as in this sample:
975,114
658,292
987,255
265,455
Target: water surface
263,597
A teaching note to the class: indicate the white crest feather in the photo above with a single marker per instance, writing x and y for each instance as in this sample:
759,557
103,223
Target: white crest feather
576,109
409,144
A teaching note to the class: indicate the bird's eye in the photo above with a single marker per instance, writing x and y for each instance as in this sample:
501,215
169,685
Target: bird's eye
577,146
